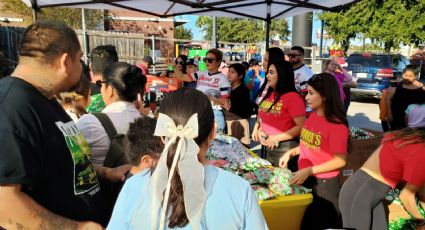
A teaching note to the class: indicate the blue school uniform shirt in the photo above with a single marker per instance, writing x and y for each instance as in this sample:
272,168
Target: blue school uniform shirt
230,204
257,82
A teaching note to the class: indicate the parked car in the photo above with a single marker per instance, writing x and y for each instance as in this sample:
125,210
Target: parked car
375,72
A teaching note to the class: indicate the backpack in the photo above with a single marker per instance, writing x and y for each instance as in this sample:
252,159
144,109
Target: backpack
114,158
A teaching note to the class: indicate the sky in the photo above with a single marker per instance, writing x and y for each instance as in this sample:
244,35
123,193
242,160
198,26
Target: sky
197,33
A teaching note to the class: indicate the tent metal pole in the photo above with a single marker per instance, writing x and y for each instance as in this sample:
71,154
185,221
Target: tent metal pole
34,10
85,40
321,38
153,52
214,32
268,22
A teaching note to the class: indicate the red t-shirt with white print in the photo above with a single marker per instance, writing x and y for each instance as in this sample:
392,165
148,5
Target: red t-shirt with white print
320,140
280,117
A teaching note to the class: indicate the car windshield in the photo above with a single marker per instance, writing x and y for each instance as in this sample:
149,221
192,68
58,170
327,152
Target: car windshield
379,61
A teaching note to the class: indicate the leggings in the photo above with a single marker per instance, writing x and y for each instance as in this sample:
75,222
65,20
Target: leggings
361,202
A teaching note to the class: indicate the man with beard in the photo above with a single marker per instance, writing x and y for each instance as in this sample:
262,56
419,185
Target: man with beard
46,178
411,91
301,72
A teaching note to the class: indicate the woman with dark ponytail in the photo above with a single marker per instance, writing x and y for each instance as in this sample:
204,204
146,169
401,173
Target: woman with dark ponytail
182,192
119,87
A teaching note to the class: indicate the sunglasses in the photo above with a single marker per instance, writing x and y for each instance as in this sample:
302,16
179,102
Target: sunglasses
100,82
293,55
209,60
179,62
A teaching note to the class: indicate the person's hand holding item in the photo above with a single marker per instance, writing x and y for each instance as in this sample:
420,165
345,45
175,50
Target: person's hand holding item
117,173
300,176
140,105
256,71
223,102
270,142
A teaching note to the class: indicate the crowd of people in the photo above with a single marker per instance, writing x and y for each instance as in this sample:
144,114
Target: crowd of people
79,150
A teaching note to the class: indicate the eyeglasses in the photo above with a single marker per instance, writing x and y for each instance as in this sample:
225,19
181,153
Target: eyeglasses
179,62
209,60
100,82
294,55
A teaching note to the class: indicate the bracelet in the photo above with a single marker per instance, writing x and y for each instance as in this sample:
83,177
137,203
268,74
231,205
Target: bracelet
419,222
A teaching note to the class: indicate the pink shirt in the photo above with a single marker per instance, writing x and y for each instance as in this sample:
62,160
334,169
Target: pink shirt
320,141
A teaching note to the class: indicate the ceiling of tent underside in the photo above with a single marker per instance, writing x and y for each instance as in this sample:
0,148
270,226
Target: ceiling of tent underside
259,9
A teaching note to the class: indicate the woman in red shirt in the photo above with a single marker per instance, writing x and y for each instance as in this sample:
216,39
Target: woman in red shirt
281,113
400,158
322,151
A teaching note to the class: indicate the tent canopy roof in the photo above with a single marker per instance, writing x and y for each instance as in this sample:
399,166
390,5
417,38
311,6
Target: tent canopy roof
257,9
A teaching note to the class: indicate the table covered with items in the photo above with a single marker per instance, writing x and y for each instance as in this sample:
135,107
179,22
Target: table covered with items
283,205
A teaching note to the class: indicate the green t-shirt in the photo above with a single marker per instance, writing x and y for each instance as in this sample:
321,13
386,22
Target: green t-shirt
96,104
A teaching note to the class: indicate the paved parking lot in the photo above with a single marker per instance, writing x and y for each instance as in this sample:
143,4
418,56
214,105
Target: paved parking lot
364,113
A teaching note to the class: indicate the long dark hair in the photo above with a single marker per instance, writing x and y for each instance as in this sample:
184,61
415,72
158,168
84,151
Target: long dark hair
327,86
126,79
408,136
240,70
184,59
275,54
285,82
180,105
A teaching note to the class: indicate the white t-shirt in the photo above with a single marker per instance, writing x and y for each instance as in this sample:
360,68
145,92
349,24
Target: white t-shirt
301,76
216,85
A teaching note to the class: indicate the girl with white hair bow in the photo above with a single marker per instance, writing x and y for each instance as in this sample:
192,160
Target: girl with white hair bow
182,192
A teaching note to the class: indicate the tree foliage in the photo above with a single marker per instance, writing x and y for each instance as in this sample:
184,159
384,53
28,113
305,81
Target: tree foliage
241,29
69,16
182,33
389,22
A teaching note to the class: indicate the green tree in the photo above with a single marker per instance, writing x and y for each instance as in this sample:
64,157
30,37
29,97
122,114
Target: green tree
69,16
182,33
389,22
241,29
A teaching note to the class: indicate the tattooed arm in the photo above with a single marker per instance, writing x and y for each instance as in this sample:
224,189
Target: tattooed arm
19,211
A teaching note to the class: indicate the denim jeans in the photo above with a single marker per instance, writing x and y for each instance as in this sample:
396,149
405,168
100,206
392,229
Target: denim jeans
220,122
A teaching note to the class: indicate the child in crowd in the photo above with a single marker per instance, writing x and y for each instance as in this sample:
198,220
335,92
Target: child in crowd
254,78
183,192
76,101
142,149
400,158
239,107
191,68
281,113
212,83
415,115
322,152
239,103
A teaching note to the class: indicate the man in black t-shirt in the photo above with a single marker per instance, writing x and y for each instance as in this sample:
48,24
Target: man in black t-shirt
46,178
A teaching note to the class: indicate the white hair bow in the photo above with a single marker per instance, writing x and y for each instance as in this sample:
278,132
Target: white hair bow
190,169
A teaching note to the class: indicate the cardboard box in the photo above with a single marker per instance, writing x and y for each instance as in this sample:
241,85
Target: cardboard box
360,151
